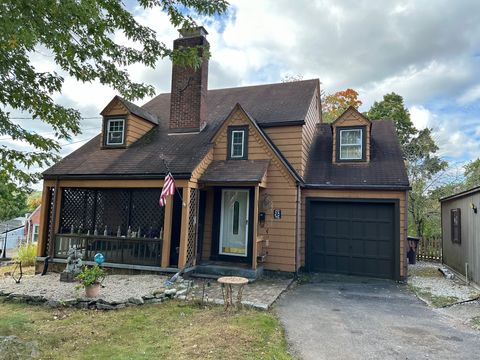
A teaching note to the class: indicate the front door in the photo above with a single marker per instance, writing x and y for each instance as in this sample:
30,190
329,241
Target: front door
234,223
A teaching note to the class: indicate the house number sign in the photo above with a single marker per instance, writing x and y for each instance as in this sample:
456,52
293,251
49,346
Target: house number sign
277,214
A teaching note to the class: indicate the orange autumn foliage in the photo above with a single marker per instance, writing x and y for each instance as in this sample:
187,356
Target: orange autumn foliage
334,105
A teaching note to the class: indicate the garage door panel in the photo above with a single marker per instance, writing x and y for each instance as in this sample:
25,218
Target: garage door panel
355,238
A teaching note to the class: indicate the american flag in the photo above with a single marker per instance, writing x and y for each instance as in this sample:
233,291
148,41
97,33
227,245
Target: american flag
168,188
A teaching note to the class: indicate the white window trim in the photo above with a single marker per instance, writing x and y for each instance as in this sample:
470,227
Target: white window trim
355,144
35,226
107,142
233,143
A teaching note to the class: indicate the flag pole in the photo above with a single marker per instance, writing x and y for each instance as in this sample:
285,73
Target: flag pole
176,189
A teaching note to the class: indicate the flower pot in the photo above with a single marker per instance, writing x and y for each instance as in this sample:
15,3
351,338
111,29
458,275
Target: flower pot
92,290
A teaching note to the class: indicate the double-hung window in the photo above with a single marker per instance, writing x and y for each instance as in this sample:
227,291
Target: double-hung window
115,129
238,138
35,233
351,144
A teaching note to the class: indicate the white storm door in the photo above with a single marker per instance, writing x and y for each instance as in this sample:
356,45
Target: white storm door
234,223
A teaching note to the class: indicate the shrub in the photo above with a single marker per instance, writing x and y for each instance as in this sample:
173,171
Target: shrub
26,253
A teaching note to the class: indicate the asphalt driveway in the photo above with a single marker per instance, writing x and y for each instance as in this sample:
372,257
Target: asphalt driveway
339,317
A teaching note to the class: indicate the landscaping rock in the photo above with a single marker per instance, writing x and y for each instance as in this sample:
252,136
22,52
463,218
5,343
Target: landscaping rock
101,306
70,302
12,347
170,292
153,301
181,292
53,303
136,300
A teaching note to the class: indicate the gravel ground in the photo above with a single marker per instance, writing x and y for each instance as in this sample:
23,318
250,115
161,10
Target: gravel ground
119,289
424,276
116,288
439,285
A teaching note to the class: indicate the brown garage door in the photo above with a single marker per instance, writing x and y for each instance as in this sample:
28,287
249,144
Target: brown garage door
355,238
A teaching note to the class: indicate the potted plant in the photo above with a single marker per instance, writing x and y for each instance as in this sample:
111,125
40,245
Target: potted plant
91,278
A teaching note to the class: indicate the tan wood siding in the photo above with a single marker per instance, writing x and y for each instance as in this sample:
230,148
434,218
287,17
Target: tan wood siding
280,189
200,169
288,139
360,194
136,128
207,234
308,130
116,108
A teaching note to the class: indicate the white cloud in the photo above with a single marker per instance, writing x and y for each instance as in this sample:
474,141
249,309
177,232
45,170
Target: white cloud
421,117
472,94
374,46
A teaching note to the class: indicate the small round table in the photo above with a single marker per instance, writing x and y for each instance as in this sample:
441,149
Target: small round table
227,292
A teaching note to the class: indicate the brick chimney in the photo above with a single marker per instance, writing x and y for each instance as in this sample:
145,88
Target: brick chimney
188,99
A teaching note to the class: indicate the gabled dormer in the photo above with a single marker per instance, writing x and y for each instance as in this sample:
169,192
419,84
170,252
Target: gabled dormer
351,137
124,123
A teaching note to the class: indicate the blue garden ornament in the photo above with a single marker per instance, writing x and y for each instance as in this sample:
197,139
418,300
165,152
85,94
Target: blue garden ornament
99,258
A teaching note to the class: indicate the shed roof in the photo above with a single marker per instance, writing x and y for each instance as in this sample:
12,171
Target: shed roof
460,194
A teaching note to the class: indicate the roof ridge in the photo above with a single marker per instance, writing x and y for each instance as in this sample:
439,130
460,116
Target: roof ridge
248,86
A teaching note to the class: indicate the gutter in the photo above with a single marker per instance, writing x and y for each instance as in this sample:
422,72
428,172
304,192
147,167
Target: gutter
182,176
358,187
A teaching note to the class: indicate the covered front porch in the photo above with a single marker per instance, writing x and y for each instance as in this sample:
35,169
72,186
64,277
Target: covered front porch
123,221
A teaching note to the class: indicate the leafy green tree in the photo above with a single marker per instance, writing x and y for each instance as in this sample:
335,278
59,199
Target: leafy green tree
425,169
393,107
13,203
472,174
79,37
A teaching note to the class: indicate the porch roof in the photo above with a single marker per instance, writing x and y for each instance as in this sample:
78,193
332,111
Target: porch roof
222,171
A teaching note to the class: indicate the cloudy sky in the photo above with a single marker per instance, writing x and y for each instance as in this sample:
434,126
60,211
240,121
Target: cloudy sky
427,51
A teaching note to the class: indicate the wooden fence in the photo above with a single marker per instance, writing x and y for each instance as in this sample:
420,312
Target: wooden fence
430,249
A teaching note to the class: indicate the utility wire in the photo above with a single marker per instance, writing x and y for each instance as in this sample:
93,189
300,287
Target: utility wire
46,133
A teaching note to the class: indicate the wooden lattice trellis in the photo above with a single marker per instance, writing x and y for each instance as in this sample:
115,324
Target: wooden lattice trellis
48,231
112,212
192,226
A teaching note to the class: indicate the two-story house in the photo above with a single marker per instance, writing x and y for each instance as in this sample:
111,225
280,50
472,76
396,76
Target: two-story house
261,184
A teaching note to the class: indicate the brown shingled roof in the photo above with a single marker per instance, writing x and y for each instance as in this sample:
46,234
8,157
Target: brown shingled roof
386,168
235,171
269,105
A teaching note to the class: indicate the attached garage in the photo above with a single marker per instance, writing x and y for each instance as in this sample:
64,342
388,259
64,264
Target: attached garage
353,236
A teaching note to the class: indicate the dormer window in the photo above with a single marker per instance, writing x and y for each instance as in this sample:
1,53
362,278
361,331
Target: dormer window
351,143
115,132
237,143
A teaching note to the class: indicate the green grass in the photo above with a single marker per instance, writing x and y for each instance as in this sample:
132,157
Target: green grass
434,300
171,330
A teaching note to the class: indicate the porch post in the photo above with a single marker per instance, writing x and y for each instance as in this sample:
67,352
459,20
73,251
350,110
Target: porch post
182,256
42,231
167,232
255,228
